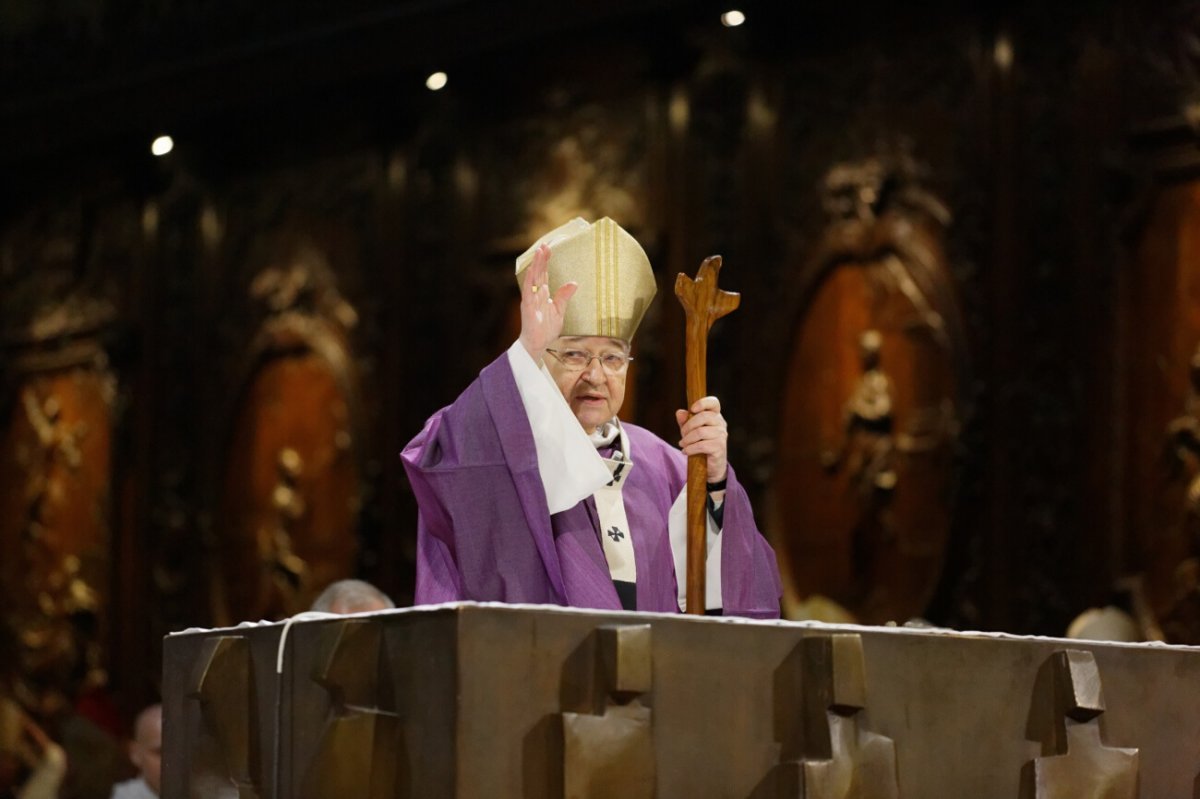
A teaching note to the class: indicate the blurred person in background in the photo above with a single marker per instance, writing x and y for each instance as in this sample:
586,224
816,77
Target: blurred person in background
145,751
32,766
352,596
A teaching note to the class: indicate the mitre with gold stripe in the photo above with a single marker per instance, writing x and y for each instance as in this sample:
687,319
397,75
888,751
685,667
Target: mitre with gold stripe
616,283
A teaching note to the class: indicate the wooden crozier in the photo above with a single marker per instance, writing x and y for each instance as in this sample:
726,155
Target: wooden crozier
704,304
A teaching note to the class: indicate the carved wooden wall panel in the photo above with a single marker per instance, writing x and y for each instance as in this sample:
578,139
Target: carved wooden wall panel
1163,384
870,417
60,416
55,483
291,491
292,469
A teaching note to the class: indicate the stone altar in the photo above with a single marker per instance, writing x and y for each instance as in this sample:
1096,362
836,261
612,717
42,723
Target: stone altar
487,700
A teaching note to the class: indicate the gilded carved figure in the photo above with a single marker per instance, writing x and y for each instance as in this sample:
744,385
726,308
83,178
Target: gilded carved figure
56,647
867,453
287,571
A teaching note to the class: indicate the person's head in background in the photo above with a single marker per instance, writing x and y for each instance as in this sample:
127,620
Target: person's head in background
146,748
351,596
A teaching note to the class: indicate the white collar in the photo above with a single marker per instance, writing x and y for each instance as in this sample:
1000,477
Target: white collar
605,434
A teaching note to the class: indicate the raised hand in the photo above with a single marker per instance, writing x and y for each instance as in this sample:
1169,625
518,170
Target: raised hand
541,314
703,431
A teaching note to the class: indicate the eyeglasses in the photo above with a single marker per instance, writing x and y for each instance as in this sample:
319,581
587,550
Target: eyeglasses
577,360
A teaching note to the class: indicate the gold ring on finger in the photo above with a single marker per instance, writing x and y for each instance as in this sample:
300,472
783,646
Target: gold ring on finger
535,288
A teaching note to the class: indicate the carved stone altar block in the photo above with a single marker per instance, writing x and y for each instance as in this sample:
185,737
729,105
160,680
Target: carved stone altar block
834,757
226,763
609,755
611,752
472,701
361,750
1065,717
358,757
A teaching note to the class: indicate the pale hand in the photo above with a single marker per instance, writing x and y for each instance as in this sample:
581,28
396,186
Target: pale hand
541,314
703,431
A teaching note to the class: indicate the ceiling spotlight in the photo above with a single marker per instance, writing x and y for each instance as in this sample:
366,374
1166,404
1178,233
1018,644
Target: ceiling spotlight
732,18
436,81
1003,52
162,145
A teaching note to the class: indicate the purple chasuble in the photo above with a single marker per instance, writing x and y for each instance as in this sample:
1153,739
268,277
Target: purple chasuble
485,533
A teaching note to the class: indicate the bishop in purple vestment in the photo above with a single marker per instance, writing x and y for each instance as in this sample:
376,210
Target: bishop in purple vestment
530,489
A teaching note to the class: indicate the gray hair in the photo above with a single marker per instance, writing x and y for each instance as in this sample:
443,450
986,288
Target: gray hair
351,596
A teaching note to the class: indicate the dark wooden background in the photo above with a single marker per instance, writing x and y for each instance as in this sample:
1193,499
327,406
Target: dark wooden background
325,259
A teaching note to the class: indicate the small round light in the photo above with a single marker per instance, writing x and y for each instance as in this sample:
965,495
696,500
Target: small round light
732,18
162,145
436,81
1003,53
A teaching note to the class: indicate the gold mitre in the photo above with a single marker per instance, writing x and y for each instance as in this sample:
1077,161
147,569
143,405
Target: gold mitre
616,283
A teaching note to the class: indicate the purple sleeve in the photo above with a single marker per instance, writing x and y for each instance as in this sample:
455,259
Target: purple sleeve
438,578
750,584
483,530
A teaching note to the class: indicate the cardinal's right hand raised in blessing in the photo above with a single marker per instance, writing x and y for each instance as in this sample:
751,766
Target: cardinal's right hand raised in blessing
541,314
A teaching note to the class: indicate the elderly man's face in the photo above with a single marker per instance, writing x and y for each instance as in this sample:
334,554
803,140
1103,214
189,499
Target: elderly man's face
593,393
